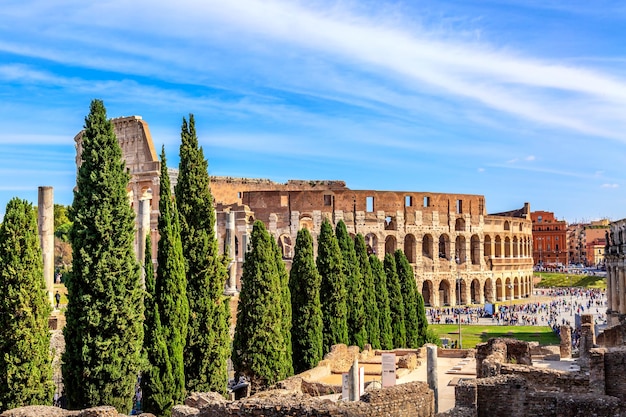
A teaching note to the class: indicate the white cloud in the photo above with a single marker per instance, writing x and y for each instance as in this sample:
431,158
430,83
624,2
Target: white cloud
610,186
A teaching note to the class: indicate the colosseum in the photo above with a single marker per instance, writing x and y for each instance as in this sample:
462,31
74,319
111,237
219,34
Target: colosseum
460,254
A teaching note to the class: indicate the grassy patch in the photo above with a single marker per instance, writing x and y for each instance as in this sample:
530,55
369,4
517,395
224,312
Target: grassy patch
557,279
474,334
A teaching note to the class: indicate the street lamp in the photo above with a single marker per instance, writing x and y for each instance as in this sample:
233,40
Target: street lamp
510,287
458,281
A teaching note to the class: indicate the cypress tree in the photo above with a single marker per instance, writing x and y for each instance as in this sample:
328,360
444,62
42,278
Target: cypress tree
422,321
104,329
286,309
304,286
357,334
157,382
408,288
382,300
25,367
171,284
396,303
259,349
333,288
207,349
372,315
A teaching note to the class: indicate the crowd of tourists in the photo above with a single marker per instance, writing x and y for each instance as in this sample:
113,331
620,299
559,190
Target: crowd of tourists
559,310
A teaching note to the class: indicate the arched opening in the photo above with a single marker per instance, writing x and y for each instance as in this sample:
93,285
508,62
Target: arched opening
487,246
390,244
427,246
507,225
475,249
509,289
286,247
461,291
516,288
444,247
499,290
507,247
372,243
427,293
460,249
410,248
444,293
306,222
475,292
515,247
498,246
488,291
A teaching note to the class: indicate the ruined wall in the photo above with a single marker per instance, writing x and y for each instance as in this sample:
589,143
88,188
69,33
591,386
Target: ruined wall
491,356
413,399
512,396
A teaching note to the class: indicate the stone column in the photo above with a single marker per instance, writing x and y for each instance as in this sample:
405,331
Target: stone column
230,243
566,342
143,231
431,373
596,371
587,339
45,208
353,382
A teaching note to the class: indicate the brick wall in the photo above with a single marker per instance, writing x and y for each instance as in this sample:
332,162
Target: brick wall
413,399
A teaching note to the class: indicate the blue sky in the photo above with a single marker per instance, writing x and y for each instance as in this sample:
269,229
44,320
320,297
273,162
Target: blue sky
519,100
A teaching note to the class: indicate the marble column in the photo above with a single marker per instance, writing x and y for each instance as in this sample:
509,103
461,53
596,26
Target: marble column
45,208
230,244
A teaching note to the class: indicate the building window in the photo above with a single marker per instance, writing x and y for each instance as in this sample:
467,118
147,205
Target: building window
328,200
459,206
408,201
369,204
284,200
426,201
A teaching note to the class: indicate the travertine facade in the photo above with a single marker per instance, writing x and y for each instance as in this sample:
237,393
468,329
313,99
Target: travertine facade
450,240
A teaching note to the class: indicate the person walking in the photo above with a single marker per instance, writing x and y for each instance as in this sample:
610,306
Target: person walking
57,297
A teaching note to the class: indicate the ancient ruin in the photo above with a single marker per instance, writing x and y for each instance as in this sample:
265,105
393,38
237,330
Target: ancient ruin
460,254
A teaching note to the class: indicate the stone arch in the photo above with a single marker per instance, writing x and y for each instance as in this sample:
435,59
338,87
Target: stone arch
508,287
488,291
499,290
444,247
460,249
371,240
507,247
487,246
459,225
445,295
507,225
427,293
306,222
516,288
515,247
390,244
286,246
475,250
475,292
410,248
498,248
427,246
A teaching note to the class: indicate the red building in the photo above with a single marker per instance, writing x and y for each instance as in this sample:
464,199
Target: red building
549,240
